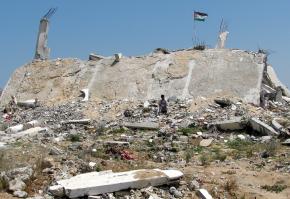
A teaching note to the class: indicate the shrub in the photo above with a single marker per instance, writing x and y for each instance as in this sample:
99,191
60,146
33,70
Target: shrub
277,188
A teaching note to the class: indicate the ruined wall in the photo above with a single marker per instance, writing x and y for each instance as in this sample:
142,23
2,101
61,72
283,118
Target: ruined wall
185,74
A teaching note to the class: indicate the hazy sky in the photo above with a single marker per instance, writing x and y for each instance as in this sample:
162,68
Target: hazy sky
138,27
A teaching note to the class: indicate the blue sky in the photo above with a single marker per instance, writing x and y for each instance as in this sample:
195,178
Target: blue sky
138,27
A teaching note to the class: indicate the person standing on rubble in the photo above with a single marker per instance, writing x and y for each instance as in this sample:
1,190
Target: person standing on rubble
162,106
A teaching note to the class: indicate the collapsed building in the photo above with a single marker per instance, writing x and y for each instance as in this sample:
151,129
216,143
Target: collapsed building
183,74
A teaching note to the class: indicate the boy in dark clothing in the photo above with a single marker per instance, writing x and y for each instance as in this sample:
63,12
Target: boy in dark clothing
162,106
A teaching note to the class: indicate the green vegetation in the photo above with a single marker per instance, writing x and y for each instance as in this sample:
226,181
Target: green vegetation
118,131
190,129
277,188
205,159
245,148
75,137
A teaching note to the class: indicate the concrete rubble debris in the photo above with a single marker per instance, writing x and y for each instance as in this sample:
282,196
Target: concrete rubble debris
81,121
118,57
32,103
203,194
237,123
205,98
286,142
42,51
271,74
94,57
262,128
17,185
96,183
142,125
223,102
20,127
206,142
287,99
20,194
278,127
85,93
235,69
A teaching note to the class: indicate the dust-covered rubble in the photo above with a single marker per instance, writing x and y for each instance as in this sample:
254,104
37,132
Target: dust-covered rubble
123,135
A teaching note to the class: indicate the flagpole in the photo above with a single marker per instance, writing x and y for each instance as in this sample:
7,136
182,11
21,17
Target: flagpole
193,31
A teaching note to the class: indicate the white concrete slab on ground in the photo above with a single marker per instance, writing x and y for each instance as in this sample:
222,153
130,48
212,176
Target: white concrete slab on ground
96,183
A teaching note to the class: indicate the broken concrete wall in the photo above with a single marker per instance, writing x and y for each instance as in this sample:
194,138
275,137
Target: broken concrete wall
185,74
274,80
42,51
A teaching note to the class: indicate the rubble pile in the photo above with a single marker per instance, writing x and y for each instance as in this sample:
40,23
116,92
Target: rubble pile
138,137
75,129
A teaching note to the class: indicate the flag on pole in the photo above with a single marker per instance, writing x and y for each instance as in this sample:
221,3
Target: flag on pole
199,16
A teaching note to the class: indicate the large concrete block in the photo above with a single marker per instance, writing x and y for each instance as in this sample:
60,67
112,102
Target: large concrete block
275,80
96,183
237,123
142,125
184,73
261,127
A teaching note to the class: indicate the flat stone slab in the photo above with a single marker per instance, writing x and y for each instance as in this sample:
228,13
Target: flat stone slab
82,121
142,125
262,127
203,194
233,124
206,142
113,143
95,183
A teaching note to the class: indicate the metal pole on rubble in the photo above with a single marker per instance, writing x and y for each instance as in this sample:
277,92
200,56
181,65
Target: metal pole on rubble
193,32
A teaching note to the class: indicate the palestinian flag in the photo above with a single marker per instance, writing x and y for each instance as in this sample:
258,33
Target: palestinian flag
199,16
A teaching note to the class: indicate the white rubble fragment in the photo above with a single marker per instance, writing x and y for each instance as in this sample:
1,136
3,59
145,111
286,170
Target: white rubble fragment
17,185
30,132
241,137
146,105
203,194
95,197
14,129
276,125
20,127
20,194
96,183
28,103
34,123
142,125
205,142
57,190
92,164
82,121
287,99
85,92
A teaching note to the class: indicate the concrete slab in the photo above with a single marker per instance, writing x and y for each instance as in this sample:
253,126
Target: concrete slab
275,80
183,73
142,125
237,123
96,183
262,127
206,142
82,121
203,194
